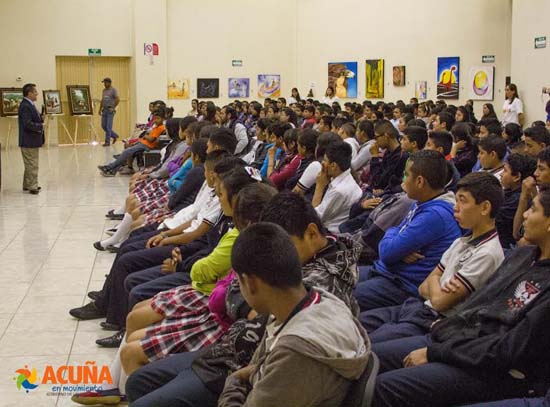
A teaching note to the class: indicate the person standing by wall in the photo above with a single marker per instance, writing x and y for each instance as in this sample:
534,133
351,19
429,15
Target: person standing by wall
107,110
31,137
512,110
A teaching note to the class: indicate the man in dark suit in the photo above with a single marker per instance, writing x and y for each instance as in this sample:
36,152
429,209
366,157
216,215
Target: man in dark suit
31,137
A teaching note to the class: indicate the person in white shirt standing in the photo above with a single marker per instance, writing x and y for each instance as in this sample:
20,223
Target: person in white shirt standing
513,107
342,191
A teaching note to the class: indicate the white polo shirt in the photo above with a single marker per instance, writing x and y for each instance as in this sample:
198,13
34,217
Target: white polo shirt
309,177
472,261
354,144
511,111
341,194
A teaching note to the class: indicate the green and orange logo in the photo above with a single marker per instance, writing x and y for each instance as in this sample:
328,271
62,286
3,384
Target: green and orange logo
26,379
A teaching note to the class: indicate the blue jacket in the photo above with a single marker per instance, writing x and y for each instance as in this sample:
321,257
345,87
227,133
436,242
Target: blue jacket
263,170
31,127
430,229
175,181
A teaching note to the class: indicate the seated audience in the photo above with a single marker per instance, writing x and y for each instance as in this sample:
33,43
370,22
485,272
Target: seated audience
365,136
536,139
492,152
281,170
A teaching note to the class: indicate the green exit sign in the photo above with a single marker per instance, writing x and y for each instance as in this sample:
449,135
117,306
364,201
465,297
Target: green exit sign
94,52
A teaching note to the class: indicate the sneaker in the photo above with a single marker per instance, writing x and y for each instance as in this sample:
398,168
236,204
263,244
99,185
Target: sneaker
105,397
106,144
88,311
113,341
108,173
94,295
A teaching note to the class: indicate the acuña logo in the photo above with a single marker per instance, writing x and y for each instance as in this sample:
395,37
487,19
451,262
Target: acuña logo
87,374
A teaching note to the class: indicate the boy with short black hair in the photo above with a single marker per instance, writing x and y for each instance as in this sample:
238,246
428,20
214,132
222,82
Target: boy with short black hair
464,267
222,139
443,122
310,334
489,126
309,120
492,151
414,139
442,142
365,136
325,124
536,139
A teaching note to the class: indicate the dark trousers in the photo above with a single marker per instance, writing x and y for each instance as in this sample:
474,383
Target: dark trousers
169,382
412,318
354,224
147,283
534,402
377,290
126,154
434,384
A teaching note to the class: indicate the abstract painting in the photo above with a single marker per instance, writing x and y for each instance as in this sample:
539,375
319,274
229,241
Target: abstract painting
448,77
374,72
421,90
178,89
269,86
80,101
342,76
208,88
11,99
481,82
399,75
238,87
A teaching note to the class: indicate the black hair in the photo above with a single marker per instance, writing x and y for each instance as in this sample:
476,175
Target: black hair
430,165
538,134
27,88
293,213
205,130
349,129
465,113
256,106
448,119
310,109
327,120
462,132
232,112
199,148
292,117
417,122
338,122
407,117
210,112
250,203
291,136
492,125
494,143
308,140
186,121
366,127
323,142
492,114
514,133
298,98
225,139
522,164
215,157
275,261
282,100
279,129
385,127
161,112
235,180
544,156
484,187
442,139
514,89
339,153
227,163
263,123
417,134
172,127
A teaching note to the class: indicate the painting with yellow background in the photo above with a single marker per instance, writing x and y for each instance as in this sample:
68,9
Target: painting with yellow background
178,89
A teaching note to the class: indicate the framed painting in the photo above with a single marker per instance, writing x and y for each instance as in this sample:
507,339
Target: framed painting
238,87
178,89
11,99
342,76
399,75
269,86
481,82
421,90
208,88
448,77
80,101
374,72
52,101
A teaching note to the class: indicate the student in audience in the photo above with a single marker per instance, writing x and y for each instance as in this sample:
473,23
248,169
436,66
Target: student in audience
414,139
285,168
462,115
229,119
492,151
276,138
463,152
386,171
409,252
494,347
512,134
288,116
309,120
347,134
304,321
464,267
365,136
442,142
516,168
488,111
307,144
146,143
536,139
489,126
443,122
325,124
263,144
336,189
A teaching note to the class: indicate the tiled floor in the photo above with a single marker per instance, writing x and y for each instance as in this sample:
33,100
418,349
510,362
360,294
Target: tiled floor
48,264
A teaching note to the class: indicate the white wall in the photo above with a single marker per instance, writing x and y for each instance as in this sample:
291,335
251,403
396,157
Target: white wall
529,65
402,32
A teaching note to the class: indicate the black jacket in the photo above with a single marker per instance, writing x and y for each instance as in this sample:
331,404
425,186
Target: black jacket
31,128
388,171
505,325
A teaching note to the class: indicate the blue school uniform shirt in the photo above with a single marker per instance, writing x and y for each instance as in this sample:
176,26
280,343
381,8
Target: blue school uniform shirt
175,181
263,170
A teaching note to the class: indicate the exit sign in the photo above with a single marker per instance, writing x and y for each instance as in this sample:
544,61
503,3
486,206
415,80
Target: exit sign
488,59
94,52
540,42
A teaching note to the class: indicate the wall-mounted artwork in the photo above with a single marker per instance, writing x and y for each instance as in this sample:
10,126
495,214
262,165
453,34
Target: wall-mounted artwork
421,90
481,82
178,89
208,88
52,101
238,87
342,76
11,99
448,77
374,73
269,86
80,101
399,75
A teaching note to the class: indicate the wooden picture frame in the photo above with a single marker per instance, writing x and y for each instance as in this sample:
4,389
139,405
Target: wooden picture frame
80,101
10,99
52,101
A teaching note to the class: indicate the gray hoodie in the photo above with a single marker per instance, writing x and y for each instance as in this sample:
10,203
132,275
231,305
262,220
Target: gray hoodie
310,363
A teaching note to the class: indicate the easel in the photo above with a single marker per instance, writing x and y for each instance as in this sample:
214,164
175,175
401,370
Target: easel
50,118
91,127
11,119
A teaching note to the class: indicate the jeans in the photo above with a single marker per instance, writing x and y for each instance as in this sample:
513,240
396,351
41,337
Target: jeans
107,117
169,382
125,155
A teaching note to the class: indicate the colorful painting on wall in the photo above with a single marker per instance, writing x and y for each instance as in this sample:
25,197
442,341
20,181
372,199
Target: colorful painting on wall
448,77
342,76
481,82
178,89
52,101
421,90
399,75
208,88
239,88
374,72
269,86
11,99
